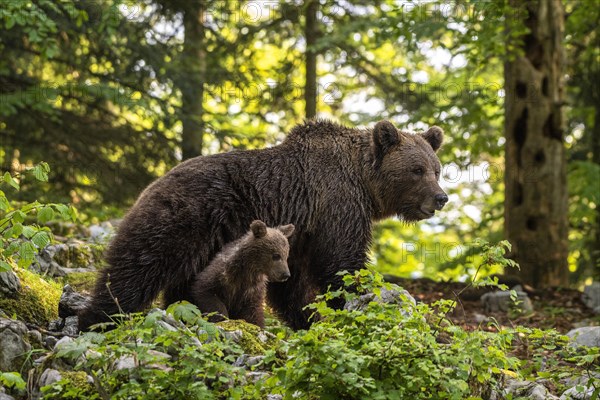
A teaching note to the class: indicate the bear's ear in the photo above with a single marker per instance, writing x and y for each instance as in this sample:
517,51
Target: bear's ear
259,229
434,136
385,136
287,230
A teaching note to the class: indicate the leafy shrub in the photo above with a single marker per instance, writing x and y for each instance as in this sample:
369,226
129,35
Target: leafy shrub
172,360
20,238
387,351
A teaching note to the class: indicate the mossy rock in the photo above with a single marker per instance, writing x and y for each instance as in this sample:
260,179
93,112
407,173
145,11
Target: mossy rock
74,384
82,282
78,255
36,302
253,340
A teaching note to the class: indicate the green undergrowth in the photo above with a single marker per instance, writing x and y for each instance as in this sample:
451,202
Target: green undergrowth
382,351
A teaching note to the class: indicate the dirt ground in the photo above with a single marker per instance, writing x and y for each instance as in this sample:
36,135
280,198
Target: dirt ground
558,308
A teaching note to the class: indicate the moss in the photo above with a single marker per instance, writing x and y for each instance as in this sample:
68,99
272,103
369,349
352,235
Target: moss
37,302
73,385
82,282
79,255
250,341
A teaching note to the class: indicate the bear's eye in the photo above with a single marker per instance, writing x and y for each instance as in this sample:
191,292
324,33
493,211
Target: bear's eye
418,171
276,257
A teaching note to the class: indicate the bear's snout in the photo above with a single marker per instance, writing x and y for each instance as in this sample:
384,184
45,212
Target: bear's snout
440,200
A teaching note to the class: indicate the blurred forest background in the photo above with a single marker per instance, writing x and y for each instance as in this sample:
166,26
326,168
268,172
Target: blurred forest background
112,94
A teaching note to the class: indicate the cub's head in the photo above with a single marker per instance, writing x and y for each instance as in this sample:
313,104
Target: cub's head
270,250
406,172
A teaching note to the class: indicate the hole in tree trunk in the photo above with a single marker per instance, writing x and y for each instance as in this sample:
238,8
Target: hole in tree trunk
540,157
549,130
531,223
518,195
521,90
520,133
545,86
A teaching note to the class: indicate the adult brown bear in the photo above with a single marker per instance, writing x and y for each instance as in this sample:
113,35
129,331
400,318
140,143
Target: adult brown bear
330,181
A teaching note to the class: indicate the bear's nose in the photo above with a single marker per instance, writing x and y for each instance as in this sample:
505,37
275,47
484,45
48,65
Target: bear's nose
441,200
284,277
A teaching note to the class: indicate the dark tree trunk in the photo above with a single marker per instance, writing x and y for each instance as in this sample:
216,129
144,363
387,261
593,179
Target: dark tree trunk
536,191
311,34
191,83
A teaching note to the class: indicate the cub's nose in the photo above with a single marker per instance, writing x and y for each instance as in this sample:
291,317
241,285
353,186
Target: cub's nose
440,200
284,277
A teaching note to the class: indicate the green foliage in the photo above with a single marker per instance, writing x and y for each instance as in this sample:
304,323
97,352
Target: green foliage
388,351
12,380
548,355
21,238
193,361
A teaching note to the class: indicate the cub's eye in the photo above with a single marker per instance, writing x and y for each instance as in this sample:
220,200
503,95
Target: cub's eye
276,257
418,171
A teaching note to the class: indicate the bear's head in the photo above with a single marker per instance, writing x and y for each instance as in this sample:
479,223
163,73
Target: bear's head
270,250
406,172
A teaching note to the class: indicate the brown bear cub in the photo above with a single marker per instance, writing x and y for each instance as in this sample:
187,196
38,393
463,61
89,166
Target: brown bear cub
234,284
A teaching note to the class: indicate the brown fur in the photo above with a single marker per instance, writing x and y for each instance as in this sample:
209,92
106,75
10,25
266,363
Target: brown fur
330,181
235,282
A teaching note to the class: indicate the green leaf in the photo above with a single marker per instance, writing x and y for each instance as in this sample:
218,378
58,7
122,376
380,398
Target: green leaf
14,231
4,204
4,266
29,231
10,180
12,379
41,239
18,217
73,213
26,254
41,171
45,214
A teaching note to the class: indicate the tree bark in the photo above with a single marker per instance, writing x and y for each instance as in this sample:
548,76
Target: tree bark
311,35
191,83
536,191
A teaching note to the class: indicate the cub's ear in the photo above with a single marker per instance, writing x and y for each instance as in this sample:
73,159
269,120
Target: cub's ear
287,230
434,136
385,136
259,229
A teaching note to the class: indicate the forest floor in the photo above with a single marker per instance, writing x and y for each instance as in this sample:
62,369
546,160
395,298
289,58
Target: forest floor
558,308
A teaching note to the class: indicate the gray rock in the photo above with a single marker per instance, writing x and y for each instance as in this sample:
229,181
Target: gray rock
234,336
71,302
274,397
49,376
4,396
9,284
587,336
500,301
397,295
575,394
124,362
62,342
35,337
62,259
247,361
13,337
523,390
71,326
591,296
50,342
101,233
587,384
255,376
